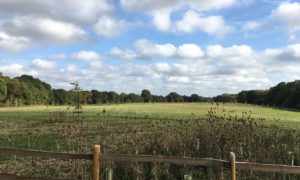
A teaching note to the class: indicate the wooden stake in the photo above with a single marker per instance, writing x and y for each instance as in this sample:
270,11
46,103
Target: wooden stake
109,174
96,162
187,177
233,166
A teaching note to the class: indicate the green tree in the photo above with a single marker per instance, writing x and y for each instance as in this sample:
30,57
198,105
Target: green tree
174,97
225,98
77,96
146,95
195,98
13,91
3,90
61,97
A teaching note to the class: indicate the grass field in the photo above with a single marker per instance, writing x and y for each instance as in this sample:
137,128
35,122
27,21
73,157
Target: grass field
283,118
160,129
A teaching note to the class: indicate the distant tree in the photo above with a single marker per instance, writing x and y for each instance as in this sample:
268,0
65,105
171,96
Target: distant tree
156,98
13,91
257,97
174,97
195,98
113,97
277,95
134,98
225,98
34,91
123,97
146,95
61,97
77,96
3,89
242,97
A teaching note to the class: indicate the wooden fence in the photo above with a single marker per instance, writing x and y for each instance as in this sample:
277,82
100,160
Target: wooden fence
96,157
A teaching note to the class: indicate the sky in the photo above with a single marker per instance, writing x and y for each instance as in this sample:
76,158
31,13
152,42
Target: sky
208,47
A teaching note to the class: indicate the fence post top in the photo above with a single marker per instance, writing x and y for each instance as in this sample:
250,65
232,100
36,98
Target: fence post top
232,154
96,146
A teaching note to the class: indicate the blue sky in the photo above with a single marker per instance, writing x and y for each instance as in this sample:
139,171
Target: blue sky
206,47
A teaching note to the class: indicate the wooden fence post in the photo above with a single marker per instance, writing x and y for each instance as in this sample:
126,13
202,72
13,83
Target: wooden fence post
96,162
109,174
233,166
187,177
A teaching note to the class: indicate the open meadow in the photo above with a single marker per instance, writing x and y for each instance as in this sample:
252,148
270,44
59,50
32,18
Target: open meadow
254,133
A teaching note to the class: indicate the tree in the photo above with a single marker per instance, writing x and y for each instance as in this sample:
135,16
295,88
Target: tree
242,97
3,90
61,97
225,98
77,97
146,95
195,98
13,90
174,97
134,98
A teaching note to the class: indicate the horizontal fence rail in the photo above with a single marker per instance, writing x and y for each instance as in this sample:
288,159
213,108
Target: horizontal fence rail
268,168
271,168
15,177
165,159
45,154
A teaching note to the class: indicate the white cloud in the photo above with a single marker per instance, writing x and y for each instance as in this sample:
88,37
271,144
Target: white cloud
251,26
86,55
163,67
59,56
58,22
288,14
206,5
213,25
217,69
109,27
155,5
43,64
146,49
179,79
162,21
12,68
236,51
191,51
161,12
287,54
85,12
44,29
13,43
125,54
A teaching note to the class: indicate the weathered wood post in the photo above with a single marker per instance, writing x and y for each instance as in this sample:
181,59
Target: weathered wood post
96,162
109,174
233,166
187,177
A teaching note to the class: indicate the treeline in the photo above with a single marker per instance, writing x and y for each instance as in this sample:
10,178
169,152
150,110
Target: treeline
285,95
27,90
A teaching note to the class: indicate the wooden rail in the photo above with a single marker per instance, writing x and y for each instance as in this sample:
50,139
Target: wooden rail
274,168
208,162
15,177
45,154
165,159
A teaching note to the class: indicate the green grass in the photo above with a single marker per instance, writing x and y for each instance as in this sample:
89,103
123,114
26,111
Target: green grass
284,118
162,128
